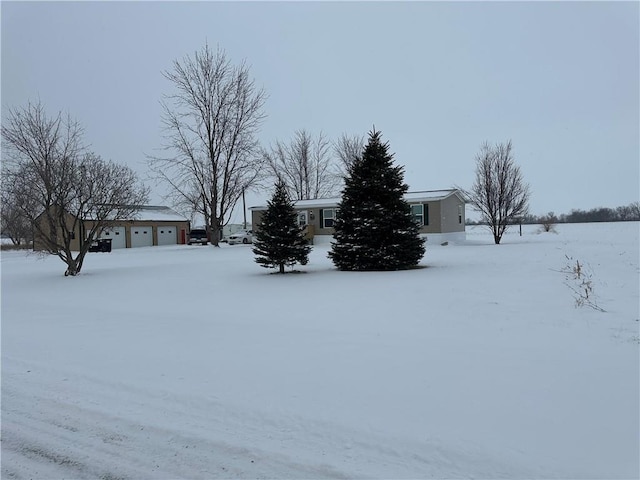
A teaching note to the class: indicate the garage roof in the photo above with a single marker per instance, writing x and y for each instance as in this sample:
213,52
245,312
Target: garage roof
158,214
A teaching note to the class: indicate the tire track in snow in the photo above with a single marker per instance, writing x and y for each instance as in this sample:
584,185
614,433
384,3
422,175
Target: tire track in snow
70,434
72,426
93,445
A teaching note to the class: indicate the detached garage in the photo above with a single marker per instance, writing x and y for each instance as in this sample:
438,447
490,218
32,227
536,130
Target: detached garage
155,226
150,226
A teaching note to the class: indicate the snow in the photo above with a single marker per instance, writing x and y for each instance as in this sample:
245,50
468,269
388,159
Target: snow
314,203
158,214
152,213
430,195
195,362
422,196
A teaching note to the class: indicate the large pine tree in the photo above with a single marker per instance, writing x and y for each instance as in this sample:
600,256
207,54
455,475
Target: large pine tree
374,229
279,241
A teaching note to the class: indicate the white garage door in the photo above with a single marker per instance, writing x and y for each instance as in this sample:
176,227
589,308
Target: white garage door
167,235
117,236
141,236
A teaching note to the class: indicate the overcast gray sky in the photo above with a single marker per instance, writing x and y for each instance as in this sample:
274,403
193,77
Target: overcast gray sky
560,79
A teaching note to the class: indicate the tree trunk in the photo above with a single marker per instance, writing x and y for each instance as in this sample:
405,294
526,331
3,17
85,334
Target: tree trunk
72,268
80,261
282,268
215,233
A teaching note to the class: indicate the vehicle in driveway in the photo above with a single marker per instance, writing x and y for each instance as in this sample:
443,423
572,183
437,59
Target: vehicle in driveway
245,236
198,235
101,245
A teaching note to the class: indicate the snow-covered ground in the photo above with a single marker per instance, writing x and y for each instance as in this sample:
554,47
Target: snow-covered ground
194,362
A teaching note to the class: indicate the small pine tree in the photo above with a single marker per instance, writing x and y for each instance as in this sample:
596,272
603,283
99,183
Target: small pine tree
279,241
374,228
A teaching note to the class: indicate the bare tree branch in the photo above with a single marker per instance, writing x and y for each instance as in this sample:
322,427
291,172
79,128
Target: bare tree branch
13,222
348,149
304,165
211,123
499,192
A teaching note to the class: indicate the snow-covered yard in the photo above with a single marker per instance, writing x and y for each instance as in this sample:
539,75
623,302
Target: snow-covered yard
194,362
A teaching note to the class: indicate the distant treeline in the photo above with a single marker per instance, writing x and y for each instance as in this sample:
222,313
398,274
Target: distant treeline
626,213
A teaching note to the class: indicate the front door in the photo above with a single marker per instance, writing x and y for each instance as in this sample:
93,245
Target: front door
303,218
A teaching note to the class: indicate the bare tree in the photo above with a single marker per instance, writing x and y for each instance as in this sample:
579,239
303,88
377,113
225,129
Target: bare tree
14,224
549,221
348,149
499,191
629,212
211,122
304,165
60,187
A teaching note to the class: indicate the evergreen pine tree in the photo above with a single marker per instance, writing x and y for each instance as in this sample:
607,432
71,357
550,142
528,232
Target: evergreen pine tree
279,241
374,229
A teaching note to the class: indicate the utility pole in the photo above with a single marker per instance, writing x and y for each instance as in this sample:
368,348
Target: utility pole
244,211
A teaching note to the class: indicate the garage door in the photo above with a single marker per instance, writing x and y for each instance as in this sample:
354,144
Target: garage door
141,236
117,236
167,235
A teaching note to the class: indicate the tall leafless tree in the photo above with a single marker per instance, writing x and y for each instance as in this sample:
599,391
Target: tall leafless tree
499,192
58,185
304,165
14,224
348,149
211,122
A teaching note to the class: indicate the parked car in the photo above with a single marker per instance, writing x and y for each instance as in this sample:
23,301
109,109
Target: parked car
198,235
245,236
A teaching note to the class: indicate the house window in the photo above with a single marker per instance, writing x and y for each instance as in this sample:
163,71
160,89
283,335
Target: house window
460,214
328,217
420,213
417,214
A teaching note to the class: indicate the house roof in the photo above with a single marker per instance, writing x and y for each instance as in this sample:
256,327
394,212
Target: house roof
422,196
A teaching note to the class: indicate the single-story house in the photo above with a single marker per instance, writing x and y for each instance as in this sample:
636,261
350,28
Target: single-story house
150,226
440,213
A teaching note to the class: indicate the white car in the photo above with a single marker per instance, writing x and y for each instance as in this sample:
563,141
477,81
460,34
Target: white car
241,237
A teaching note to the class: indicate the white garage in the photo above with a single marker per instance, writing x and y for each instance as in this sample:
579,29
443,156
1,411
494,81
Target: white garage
141,236
117,235
167,235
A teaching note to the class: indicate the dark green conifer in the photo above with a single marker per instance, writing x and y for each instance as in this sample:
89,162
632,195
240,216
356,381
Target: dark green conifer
374,228
279,241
